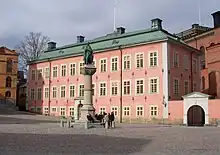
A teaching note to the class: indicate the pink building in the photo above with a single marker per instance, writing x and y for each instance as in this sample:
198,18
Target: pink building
138,75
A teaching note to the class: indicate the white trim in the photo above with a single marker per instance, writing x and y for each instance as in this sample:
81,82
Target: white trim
123,87
137,106
117,110
41,93
56,92
153,105
51,109
136,60
81,62
70,69
118,91
64,110
79,89
61,70
45,91
57,71
117,63
102,107
166,78
100,65
176,78
106,89
123,110
149,85
41,73
61,91
136,87
45,72
74,91
149,52
123,67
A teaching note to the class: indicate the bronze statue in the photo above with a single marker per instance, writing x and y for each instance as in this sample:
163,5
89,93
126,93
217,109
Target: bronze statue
88,55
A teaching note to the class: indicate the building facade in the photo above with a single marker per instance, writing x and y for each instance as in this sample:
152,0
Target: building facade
138,74
207,40
8,75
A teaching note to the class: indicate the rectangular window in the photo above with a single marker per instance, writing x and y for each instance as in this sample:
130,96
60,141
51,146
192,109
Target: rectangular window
102,110
139,87
186,87
81,90
194,65
38,110
115,110
46,93
33,74
46,111
47,72
63,91
71,111
186,62
176,87
154,84
114,88
62,111
139,60
153,110
54,95
153,59
39,74
127,62
176,60
32,94
72,91
194,87
103,65
127,87
72,69
55,72
54,109
93,89
114,64
103,89
140,111
63,70
39,93
126,111
81,66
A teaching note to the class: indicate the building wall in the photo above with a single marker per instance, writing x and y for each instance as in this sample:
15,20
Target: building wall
150,105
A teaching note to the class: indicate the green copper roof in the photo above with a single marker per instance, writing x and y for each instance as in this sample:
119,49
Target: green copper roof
107,42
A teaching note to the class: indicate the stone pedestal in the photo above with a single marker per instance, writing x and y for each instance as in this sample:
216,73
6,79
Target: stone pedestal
87,107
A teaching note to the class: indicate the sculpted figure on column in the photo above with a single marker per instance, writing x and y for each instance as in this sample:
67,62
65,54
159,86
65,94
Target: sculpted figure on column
88,55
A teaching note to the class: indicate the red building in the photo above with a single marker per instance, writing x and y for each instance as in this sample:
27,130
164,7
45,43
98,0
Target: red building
207,40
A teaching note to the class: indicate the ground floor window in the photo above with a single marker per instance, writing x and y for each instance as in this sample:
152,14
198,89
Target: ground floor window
54,109
71,111
115,110
39,110
46,111
153,110
140,111
102,110
126,111
62,111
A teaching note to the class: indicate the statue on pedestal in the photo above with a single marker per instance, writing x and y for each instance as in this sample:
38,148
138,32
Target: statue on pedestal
88,55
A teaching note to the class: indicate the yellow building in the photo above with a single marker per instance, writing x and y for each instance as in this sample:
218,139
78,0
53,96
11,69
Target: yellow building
8,75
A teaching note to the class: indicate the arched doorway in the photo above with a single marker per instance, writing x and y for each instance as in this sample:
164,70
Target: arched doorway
195,116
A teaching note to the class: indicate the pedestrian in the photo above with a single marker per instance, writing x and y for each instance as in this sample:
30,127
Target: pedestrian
112,119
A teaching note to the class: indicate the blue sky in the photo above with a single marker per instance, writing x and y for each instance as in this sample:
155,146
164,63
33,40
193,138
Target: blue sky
63,20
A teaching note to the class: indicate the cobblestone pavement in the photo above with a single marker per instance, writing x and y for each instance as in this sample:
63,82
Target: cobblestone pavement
43,136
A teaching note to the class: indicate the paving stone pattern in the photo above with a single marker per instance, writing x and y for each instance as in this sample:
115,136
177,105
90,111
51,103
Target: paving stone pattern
27,134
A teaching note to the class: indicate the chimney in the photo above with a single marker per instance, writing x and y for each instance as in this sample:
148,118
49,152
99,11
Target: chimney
120,30
216,19
194,26
80,39
156,24
51,45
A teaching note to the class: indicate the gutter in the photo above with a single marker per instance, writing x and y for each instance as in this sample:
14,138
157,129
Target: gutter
120,118
49,86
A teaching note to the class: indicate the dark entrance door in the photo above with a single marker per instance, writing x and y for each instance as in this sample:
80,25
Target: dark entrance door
195,116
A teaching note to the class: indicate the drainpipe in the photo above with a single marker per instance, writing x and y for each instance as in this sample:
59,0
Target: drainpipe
192,67
49,86
120,118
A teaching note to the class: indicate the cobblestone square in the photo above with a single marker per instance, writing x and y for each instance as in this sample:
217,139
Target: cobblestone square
41,135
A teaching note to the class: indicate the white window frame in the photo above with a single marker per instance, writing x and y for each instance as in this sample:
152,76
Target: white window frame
53,91
153,116
113,110
111,82
74,93
70,69
101,111
41,73
158,85
45,75
174,92
33,70
62,70
117,65
53,71
136,87
149,58
139,106
61,91
185,87
123,87
106,88
126,110
125,69
71,111
81,62
46,98
41,96
136,60
62,111
32,94
46,112
176,64
94,92
100,65
79,89
186,62
52,108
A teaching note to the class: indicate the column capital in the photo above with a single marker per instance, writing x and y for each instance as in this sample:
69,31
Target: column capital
88,70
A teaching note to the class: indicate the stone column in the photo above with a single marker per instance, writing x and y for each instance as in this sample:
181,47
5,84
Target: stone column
87,107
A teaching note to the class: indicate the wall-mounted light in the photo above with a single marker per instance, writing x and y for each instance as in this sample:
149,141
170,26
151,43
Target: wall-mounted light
145,72
133,98
132,73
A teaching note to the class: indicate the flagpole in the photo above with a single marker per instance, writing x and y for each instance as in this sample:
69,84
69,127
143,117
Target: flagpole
115,5
199,7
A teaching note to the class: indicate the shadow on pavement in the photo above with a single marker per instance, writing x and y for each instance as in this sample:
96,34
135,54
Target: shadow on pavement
69,144
12,120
